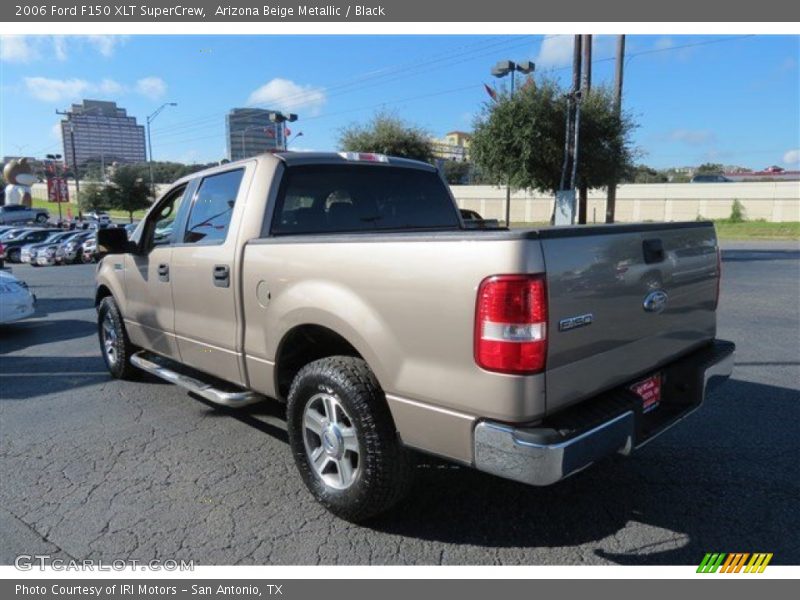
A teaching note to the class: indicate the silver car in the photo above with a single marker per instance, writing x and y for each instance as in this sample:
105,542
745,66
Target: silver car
17,213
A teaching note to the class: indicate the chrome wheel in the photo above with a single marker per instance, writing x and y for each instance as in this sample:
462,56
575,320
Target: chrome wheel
109,333
330,441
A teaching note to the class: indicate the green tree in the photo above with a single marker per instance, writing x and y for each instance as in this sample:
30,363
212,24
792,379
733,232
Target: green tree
94,197
456,172
390,135
520,138
128,190
710,169
645,174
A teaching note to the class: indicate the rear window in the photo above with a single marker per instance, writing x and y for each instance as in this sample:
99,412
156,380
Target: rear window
356,198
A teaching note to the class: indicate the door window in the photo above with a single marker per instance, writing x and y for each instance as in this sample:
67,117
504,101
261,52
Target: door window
213,207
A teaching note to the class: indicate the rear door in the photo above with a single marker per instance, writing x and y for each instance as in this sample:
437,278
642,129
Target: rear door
204,282
624,300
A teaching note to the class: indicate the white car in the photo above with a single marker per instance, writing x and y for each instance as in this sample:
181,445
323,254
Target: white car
16,300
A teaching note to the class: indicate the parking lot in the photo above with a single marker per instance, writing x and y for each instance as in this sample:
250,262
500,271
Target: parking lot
97,468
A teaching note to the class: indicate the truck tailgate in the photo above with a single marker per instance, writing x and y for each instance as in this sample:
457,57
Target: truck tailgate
623,300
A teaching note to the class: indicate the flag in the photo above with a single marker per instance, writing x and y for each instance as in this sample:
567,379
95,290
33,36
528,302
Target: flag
491,92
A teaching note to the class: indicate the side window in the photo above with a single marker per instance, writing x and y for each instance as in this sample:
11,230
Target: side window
162,223
213,205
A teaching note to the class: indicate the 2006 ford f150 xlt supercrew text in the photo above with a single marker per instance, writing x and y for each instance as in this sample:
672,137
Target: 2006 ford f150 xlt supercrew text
348,286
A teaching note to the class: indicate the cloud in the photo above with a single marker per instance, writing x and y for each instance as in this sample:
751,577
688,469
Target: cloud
792,157
555,51
60,48
17,48
151,87
55,130
285,95
106,44
692,137
63,90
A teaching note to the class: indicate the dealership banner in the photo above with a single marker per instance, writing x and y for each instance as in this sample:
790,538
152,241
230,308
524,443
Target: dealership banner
397,11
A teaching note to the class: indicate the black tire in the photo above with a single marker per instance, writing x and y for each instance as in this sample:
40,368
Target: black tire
117,354
14,255
383,472
41,218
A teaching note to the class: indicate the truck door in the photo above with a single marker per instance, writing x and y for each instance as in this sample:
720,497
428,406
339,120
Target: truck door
148,310
204,283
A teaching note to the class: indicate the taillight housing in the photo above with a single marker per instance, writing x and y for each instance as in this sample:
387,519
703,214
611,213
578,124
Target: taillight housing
511,324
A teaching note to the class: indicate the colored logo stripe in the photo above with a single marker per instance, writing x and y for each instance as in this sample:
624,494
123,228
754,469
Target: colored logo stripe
734,562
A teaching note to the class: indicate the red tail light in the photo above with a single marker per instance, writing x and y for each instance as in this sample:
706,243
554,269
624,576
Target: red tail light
511,324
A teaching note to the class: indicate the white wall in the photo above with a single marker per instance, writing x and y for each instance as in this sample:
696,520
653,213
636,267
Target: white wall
772,201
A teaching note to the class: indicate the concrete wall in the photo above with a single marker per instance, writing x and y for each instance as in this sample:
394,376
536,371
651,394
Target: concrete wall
777,201
772,201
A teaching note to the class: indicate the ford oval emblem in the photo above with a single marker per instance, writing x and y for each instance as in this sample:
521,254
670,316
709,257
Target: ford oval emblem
655,301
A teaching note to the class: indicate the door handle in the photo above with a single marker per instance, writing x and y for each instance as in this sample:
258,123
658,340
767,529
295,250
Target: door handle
163,272
222,276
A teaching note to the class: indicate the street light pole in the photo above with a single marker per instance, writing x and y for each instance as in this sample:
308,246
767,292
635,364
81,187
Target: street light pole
150,118
501,69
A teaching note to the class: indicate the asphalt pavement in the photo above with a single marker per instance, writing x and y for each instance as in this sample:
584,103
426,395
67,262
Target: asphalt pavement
96,468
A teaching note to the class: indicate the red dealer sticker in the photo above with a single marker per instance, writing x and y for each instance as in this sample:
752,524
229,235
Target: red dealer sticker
649,390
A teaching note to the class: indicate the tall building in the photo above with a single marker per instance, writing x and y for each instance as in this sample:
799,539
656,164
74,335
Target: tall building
103,132
249,132
454,146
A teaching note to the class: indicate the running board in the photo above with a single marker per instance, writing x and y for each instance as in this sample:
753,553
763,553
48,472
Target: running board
156,366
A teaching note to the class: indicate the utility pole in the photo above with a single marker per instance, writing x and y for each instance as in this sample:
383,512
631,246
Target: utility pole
586,84
150,118
611,200
564,207
74,160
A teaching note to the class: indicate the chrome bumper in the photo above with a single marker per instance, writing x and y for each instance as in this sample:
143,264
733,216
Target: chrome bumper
531,455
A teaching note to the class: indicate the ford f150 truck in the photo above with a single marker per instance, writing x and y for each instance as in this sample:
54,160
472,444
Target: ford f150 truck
348,286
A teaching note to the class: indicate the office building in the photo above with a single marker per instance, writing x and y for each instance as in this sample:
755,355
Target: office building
103,132
249,132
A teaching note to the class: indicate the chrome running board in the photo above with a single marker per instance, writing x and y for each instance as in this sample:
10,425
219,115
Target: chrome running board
157,366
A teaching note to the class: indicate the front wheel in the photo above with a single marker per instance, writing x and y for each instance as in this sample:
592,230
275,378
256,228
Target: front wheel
41,218
343,438
14,256
114,343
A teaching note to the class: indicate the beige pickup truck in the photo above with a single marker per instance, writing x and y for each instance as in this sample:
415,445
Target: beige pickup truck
350,287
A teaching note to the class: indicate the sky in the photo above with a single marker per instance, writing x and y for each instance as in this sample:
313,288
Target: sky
734,100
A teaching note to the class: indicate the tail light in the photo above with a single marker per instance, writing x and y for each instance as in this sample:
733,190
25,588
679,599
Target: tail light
719,276
511,324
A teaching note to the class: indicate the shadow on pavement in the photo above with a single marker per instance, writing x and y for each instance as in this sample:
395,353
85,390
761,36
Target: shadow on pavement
49,306
25,334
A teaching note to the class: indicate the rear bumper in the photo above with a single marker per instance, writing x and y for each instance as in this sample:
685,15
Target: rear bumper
613,422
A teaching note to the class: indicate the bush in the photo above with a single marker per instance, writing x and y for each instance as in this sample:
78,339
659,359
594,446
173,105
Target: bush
737,212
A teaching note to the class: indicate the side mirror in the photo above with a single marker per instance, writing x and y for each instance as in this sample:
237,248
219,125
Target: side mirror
113,240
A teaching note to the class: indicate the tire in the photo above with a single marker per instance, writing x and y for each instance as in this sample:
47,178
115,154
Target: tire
13,255
41,218
115,346
363,468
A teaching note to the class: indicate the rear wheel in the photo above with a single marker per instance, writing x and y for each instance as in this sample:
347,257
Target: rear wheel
114,343
41,218
14,255
343,438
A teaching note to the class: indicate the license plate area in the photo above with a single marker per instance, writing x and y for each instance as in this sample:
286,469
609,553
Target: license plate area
649,392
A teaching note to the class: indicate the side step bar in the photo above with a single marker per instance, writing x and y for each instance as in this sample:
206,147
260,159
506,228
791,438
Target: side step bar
157,366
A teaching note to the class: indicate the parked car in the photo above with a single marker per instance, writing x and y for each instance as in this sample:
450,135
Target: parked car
16,300
29,236
348,286
89,249
710,179
13,232
28,252
2,256
72,250
473,220
17,213
99,216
